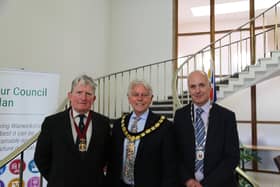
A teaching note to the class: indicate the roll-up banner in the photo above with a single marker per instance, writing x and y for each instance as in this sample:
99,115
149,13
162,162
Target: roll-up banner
26,98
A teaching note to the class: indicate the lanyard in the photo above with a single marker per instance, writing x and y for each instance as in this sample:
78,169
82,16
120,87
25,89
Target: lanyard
80,134
206,127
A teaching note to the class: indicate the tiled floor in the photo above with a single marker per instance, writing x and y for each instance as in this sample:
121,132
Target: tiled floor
266,180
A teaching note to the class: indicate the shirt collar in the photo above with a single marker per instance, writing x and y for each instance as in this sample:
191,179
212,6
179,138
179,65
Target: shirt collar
206,107
143,116
76,114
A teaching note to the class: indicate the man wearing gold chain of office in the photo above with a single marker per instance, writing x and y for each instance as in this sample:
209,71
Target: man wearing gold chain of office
143,152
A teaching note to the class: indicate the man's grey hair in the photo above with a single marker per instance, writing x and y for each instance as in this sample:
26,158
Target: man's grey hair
136,82
85,80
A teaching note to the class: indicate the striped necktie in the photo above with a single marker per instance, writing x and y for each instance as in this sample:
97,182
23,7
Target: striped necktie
199,138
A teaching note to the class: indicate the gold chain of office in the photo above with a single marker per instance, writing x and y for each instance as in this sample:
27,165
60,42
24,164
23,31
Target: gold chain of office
133,138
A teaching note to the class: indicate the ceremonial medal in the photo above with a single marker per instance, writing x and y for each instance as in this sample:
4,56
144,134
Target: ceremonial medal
199,153
130,150
82,145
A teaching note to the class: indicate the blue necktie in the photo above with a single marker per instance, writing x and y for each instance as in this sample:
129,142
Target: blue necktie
200,138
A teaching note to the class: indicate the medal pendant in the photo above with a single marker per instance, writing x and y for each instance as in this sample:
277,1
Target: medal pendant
199,154
82,145
131,147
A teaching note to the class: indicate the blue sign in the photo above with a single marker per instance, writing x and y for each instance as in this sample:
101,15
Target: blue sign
32,167
2,170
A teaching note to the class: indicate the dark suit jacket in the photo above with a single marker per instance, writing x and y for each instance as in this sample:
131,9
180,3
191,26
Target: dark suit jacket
59,161
221,149
155,159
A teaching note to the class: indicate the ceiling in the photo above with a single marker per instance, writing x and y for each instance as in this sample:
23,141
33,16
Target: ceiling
185,15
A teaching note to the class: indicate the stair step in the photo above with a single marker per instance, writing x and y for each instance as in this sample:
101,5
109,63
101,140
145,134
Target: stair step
225,82
161,108
167,102
248,76
168,114
251,75
180,96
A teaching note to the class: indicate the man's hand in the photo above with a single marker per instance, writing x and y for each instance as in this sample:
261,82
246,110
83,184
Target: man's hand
192,183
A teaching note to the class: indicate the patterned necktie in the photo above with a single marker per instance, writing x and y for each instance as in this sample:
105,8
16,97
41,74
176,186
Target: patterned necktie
81,122
200,139
130,155
81,128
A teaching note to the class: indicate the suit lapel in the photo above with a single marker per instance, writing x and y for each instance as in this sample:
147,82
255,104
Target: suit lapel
212,123
189,124
212,119
126,121
95,128
67,128
121,139
151,120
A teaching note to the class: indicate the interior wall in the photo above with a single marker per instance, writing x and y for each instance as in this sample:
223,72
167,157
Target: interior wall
193,43
141,33
267,93
96,37
67,37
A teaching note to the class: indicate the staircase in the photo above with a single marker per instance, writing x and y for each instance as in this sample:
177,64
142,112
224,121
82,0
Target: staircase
163,107
264,69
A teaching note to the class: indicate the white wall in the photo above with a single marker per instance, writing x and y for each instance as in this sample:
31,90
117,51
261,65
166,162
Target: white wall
268,107
141,33
96,37
67,37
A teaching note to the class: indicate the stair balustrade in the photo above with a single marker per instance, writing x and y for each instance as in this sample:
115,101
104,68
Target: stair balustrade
232,53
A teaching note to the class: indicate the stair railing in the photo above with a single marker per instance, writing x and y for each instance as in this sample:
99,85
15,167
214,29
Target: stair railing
232,52
111,91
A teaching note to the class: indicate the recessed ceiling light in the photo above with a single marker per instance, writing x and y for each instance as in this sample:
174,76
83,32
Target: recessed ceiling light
232,7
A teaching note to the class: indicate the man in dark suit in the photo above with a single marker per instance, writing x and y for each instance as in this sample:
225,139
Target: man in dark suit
211,163
72,147
145,157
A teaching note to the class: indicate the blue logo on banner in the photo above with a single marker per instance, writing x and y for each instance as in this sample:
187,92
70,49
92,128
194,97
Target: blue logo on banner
32,167
2,170
2,183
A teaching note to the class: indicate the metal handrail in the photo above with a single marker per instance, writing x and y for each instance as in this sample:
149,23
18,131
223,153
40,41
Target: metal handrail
19,150
111,87
246,177
176,100
143,66
27,144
